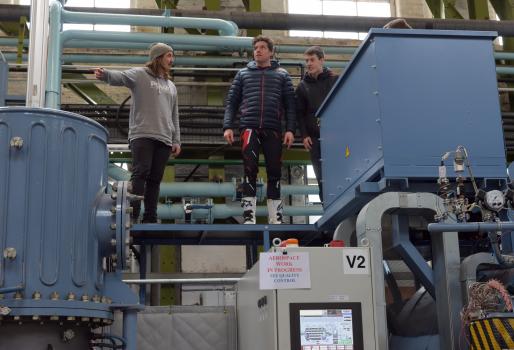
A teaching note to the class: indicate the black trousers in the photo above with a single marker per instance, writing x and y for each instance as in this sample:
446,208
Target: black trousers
149,158
316,163
252,140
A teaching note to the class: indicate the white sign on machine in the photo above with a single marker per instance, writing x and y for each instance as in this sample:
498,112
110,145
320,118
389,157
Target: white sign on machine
356,261
284,271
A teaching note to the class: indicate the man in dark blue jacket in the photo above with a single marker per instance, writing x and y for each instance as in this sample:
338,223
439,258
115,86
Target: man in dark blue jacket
261,95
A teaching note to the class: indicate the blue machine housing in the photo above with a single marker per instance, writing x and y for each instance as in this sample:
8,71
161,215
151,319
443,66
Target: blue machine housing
406,98
58,224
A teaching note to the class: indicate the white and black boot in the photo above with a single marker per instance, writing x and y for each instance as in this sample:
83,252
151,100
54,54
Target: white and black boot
249,205
275,209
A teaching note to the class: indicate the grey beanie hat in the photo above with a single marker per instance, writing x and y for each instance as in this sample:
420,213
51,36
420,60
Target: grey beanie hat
159,49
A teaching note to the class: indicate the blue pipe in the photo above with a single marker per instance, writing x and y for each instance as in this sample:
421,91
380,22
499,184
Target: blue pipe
183,61
208,189
11,289
345,50
179,60
225,28
130,328
223,211
222,42
472,227
53,82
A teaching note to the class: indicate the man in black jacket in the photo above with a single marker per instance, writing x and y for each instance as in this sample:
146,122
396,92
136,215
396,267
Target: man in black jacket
261,96
310,94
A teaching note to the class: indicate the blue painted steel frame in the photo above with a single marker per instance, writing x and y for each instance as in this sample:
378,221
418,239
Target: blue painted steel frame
149,234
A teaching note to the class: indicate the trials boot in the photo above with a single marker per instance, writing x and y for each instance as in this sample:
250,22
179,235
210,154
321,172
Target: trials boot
249,205
275,209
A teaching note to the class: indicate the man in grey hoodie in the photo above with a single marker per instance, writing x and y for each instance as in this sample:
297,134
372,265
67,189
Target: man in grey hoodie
154,129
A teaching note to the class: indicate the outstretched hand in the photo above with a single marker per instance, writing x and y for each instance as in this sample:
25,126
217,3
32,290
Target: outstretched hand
99,73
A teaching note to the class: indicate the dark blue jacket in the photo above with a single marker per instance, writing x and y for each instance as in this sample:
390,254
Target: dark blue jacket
261,98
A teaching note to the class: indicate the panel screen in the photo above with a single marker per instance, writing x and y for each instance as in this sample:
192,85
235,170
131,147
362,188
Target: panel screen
326,326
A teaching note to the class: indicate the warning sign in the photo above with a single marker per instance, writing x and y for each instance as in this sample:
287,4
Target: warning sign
284,271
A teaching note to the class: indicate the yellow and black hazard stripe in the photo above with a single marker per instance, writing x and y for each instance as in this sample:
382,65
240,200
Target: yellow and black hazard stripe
492,334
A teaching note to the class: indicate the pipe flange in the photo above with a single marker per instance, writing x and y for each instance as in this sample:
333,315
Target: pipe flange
123,222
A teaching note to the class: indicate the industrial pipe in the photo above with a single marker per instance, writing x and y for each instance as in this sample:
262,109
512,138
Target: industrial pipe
209,162
279,48
472,227
222,42
288,21
53,68
223,211
225,28
183,280
209,189
219,61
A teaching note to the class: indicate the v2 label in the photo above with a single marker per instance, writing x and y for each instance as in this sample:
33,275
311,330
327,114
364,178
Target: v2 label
356,261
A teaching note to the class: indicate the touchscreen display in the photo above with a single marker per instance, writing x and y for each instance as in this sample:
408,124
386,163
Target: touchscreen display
326,329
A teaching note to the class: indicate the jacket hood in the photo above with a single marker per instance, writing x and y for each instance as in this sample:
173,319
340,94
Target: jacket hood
253,65
326,73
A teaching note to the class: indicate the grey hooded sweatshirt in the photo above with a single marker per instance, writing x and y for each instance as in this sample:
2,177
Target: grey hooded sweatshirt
154,111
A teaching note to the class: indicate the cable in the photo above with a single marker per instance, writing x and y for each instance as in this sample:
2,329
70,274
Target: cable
118,111
219,148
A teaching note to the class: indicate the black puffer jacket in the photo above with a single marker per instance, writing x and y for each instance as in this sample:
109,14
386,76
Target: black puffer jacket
310,94
260,97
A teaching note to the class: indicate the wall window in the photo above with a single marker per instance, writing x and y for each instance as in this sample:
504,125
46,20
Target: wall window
368,8
94,3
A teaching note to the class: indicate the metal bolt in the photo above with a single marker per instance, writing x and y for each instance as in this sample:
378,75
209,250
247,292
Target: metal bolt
85,298
84,319
54,296
96,298
16,318
54,318
114,195
10,253
17,142
70,296
113,242
113,226
96,320
35,318
18,296
36,296
113,210
128,225
104,300
68,335
70,318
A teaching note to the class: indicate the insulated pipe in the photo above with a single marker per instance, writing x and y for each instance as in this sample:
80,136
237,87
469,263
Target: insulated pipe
472,227
224,27
223,211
